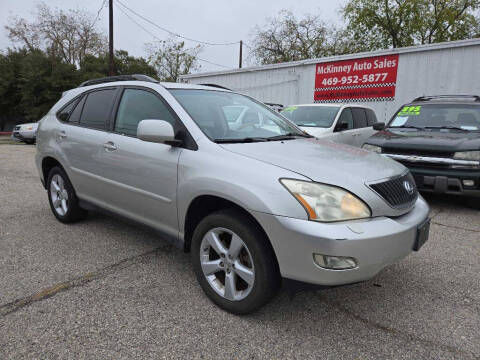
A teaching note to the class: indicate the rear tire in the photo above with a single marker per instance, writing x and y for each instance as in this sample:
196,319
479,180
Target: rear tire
62,198
234,262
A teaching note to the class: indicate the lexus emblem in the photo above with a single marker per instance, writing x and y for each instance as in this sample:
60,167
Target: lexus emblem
409,187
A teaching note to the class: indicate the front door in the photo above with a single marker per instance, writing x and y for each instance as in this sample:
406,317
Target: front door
142,175
344,135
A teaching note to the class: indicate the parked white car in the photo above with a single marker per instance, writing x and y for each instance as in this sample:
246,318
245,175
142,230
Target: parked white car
25,132
343,123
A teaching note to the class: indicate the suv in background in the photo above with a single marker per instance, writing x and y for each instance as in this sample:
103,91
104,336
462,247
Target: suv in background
346,124
252,203
438,139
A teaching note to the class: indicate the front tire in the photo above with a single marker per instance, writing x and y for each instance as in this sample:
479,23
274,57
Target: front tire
62,198
234,262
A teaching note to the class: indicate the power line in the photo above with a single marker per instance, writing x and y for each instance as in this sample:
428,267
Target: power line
159,39
174,33
98,13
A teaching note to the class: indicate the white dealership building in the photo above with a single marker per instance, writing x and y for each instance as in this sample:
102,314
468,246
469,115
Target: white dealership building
383,80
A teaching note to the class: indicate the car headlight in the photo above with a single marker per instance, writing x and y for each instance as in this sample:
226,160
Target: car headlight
27,128
326,203
467,155
372,148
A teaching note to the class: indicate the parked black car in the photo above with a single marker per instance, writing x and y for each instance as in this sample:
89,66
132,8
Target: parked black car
438,139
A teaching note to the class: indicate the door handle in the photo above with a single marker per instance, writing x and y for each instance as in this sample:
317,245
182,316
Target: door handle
109,146
62,134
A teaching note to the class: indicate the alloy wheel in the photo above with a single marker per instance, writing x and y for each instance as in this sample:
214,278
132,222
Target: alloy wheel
59,195
227,264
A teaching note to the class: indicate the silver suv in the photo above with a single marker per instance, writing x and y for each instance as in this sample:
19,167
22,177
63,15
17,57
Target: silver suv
253,203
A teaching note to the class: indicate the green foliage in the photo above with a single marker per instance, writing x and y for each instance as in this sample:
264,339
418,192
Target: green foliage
97,66
32,81
398,23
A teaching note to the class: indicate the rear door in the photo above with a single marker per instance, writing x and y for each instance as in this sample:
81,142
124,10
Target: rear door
344,136
142,175
81,138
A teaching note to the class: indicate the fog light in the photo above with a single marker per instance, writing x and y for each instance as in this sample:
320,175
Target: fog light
334,262
468,183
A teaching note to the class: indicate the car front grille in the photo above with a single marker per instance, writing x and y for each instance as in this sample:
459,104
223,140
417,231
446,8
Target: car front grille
418,152
17,128
400,192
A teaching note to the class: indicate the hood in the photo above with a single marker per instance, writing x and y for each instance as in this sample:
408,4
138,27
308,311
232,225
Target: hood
434,140
322,160
316,131
24,126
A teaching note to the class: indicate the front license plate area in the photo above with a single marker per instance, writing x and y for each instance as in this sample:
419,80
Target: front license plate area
423,231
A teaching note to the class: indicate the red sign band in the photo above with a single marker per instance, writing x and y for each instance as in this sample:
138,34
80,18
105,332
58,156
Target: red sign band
368,79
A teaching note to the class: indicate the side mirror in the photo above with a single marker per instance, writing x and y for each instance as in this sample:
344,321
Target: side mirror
379,126
341,126
157,131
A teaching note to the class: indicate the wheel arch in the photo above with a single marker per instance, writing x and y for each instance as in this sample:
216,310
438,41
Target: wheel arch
203,205
48,163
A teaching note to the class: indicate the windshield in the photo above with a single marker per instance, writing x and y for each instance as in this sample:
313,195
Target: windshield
438,116
312,116
229,116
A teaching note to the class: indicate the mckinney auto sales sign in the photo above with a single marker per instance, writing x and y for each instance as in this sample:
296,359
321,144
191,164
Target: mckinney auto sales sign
367,79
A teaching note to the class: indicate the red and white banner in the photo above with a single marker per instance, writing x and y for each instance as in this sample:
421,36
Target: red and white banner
367,79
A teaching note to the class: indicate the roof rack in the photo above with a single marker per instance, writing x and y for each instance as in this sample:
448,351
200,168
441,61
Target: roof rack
216,86
135,77
431,97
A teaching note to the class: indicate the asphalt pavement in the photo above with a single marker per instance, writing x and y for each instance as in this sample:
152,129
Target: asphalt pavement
105,289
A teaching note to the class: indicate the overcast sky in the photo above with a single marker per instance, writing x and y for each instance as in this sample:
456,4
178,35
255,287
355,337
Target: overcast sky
206,20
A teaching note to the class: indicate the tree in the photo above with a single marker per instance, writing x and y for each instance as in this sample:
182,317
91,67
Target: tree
172,59
97,66
287,38
66,35
398,23
30,85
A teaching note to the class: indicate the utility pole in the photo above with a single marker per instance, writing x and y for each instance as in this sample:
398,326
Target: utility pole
111,68
240,55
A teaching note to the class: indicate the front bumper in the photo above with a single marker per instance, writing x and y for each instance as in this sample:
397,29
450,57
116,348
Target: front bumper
20,135
447,181
374,243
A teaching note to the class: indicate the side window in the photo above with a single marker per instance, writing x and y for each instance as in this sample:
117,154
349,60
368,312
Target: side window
97,108
346,117
359,118
137,105
371,117
64,114
75,115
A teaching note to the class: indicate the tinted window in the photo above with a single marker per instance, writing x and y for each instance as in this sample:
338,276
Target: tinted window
312,116
65,112
346,117
359,118
137,105
371,117
75,115
97,108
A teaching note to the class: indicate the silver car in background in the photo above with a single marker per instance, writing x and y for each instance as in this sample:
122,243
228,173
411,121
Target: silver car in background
343,123
25,132
252,203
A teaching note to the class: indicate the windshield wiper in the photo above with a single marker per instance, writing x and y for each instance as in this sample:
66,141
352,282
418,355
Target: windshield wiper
288,136
447,127
241,140
406,127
